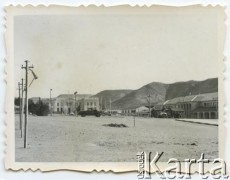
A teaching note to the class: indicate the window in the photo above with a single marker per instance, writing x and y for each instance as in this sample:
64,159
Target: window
57,104
94,103
87,103
91,103
57,109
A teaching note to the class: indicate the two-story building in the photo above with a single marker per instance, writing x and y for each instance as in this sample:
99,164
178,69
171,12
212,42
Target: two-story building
201,106
88,103
67,103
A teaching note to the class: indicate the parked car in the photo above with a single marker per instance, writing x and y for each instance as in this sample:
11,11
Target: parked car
105,113
71,114
163,114
90,112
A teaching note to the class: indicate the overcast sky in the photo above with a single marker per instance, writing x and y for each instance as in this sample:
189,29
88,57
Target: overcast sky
91,53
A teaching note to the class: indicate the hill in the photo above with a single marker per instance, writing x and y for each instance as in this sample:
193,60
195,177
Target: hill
160,92
191,87
114,95
138,97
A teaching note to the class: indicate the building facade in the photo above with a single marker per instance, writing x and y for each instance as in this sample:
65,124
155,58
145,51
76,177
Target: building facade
201,106
139,111
89,103
67,103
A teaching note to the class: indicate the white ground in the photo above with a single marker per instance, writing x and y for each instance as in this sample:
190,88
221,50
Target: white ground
85,139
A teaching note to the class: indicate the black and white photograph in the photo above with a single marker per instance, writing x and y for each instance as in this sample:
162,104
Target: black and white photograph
102,84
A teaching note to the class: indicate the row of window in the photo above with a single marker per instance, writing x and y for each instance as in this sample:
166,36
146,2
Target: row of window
68,104
91,103
210,104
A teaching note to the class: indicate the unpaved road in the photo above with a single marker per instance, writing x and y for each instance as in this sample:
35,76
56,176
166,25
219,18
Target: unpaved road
85,139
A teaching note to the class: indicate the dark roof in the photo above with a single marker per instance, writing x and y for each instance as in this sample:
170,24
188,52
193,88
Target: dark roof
177,109
158,108
72,96
193,98
207,97
134,107
205,109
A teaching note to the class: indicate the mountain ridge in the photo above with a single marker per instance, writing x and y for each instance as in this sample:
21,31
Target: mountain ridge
159,92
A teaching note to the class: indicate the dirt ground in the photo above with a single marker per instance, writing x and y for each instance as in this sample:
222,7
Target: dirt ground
86,139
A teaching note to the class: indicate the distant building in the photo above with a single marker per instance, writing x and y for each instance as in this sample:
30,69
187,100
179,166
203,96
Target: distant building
89,103
208,107
137,110
201,106
65,103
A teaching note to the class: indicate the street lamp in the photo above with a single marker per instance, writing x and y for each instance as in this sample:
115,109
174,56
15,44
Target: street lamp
51,102
75,94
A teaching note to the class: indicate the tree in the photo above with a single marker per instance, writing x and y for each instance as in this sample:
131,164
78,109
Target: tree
32,107
17,101
44,110
40,109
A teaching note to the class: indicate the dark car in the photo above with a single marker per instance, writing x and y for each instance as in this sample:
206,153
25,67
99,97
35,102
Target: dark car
90,112
106,113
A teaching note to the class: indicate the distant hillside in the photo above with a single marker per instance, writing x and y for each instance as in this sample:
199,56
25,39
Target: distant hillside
191,87
138,97
160,92
114,95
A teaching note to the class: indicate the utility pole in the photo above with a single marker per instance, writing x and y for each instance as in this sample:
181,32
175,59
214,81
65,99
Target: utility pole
19,96
101,104
26,102
110,105
75,94
105,104
149,96
51,102
26,67
22,107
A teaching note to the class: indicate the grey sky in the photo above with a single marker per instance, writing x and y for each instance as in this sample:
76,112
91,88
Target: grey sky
90,53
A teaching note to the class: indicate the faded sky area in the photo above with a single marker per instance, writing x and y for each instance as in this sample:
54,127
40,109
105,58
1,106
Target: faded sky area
91,53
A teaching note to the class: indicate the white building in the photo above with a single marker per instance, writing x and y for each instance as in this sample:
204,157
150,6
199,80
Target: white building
65,103
88,103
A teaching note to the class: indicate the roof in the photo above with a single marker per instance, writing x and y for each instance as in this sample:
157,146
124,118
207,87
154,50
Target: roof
158,108
193,98
177,109
207,97
205,109
72,96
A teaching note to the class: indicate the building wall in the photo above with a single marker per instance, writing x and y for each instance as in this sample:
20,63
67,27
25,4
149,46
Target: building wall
212,112
64,106
89,103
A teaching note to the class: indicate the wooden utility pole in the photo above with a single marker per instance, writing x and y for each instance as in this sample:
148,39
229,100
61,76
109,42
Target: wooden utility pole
19,96
22,107
149,100
20,90
51,102
26,67
110,106
75,95
105,104
101,103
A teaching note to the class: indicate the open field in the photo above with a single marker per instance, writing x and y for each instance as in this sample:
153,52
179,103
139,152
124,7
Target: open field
85,139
